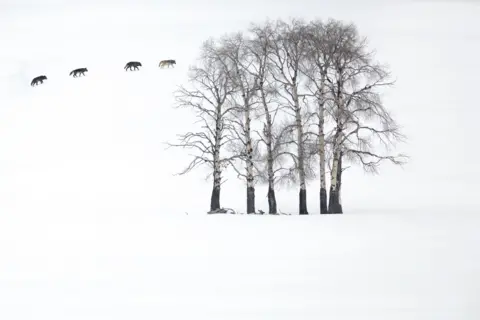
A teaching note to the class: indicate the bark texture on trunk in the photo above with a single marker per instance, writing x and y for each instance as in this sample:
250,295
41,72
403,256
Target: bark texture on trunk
339,183
267,132
249,159
321,152
215,199
217,170
334,204
302,202
301,154
334,201
250,200
217,179
272,202
323,201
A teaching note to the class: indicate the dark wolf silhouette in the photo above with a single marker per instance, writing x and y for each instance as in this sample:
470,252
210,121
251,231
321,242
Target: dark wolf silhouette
38,80
132,64
168,63
80,71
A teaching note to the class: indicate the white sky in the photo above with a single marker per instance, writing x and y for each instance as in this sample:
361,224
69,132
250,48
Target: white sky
95,143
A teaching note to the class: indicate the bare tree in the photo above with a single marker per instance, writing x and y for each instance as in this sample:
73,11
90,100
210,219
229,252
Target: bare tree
286,54
208,98
234,51
353,82
315,68
259,51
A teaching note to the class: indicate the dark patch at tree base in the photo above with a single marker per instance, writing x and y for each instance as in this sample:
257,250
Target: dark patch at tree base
334,205
303,201
222,211
215,199
250,200
272,202
323,201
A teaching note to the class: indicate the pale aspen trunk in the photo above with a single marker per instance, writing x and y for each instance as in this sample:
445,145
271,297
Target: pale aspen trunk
249,161
339,182
301,155
334,201
217,170
267,132
321,152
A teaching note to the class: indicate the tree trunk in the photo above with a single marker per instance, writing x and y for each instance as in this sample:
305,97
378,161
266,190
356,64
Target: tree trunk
217,179
215,199
303,201
334,205
267,132
323,200
339,183
321,137
301,155
272,202
250,184
217,170
250,200
249,159
334,201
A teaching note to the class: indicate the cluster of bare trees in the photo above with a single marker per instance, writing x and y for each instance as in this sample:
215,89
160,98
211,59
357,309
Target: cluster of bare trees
284,102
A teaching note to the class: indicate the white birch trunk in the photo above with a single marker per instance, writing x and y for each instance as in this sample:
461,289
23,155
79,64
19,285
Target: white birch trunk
321,152
334,204
249,160
321,146
217,169
334,173
267,132
301,154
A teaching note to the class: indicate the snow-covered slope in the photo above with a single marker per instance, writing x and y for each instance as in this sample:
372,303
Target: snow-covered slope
138,266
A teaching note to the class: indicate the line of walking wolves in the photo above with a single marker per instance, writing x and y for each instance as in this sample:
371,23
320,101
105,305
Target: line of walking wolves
81,71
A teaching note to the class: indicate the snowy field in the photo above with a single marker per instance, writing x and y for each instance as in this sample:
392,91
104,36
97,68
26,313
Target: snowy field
422,265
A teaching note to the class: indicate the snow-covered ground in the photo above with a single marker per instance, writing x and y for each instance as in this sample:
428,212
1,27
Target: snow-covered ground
410,265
